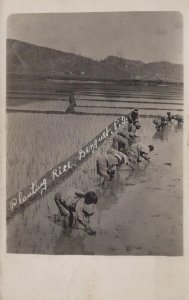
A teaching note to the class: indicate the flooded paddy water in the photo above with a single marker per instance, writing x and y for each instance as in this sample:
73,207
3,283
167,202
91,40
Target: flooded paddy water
138,213
34,93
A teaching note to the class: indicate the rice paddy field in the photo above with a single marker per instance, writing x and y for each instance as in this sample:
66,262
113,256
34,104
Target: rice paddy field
93,97
139,212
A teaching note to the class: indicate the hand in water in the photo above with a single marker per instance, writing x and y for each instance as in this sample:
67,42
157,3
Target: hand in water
91,231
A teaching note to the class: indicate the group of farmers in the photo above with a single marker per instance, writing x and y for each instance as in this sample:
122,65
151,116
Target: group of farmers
162,121
76,207
124,149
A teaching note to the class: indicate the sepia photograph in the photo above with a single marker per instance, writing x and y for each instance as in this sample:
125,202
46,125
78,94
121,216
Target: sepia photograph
94,133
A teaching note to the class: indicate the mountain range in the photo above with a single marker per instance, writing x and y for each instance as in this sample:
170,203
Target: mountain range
26,58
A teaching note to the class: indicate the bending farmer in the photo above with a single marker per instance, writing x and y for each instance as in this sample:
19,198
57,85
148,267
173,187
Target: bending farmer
77,206
106,164
142,151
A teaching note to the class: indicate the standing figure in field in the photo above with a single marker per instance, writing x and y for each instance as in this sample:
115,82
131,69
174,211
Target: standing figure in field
72,103
178,118
139,150
107,163
75,207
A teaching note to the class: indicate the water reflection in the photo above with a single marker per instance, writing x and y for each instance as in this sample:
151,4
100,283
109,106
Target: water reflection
71,242
178,127
162,135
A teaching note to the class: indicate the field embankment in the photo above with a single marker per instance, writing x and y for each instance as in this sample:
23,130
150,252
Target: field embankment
43,94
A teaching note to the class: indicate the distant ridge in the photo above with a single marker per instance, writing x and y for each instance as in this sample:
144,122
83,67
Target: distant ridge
25,58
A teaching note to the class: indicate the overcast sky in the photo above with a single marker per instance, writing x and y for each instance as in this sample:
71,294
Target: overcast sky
146,36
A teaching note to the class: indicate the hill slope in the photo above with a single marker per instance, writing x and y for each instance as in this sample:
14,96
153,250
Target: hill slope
27,58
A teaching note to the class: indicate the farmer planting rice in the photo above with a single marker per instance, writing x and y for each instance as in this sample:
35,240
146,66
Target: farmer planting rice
122,140
132,127
178,118
160,122
169,117
157,123
132,121
106,164
74,103
126,136
133,116
75,207
139,150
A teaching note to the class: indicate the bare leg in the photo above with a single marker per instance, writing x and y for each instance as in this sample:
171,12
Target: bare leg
66,221
63,212
74,221
115,144
103,181
60,206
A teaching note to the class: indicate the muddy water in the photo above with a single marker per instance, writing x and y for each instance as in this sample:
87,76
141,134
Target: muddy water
139,212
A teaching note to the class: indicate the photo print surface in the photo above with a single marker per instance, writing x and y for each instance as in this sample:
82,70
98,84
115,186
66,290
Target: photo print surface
95,133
